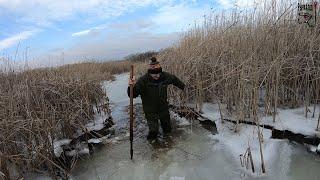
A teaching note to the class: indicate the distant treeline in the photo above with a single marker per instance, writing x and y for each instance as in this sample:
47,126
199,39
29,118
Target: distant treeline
141,57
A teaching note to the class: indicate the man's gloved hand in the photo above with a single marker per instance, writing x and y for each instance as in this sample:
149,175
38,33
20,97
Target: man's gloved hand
132,81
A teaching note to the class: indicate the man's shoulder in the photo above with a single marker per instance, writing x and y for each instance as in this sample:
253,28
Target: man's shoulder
166,74
143,77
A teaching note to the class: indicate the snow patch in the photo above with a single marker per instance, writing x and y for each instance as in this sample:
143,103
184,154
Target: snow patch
98,122
211,111
84,151
287,119
312,148
127,134
247,136
181,121
294,120
71,153
94,141
80,149
177,178
57,146
237,144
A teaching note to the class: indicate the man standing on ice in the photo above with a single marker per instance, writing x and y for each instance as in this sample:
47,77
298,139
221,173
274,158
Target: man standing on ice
152,87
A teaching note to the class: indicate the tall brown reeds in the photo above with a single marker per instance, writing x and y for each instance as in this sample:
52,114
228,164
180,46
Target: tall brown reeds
223,56
40,106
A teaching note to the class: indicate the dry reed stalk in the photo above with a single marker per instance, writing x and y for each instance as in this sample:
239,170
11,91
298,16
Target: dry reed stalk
251,160
317,129
260,137
316,88
255,108
276,94
261,152
220,111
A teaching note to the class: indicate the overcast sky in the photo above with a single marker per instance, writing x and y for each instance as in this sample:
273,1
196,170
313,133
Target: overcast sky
64,31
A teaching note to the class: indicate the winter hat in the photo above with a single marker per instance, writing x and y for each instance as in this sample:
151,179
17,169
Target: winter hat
154,66
153,61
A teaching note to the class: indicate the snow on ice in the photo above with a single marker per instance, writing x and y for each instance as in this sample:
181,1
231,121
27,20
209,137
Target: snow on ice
211,111
247,136
57,146
294,120
180,121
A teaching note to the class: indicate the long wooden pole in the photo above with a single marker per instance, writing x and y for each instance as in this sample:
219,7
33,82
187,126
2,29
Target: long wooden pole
131,113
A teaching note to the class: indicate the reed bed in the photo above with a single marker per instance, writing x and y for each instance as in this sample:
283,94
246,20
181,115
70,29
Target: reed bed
94,71
242,56
40,106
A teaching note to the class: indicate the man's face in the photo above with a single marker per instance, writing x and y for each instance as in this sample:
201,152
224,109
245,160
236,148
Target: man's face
156,75
154,66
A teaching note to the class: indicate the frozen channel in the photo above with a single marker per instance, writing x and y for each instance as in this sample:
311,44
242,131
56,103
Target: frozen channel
191,155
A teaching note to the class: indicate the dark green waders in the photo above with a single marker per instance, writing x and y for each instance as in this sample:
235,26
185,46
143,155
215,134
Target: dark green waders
153,123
